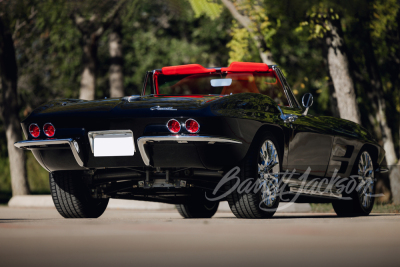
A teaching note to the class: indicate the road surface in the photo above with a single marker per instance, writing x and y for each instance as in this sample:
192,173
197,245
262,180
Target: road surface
40,237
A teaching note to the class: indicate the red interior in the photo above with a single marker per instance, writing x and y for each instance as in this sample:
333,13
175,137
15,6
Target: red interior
186,69
246,67
241,83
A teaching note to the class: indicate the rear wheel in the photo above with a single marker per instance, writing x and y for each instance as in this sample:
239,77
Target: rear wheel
198,208
72,197
262,162
361,199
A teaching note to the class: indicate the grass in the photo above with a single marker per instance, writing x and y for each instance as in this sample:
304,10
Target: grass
38,178
321,207
378,208
386,208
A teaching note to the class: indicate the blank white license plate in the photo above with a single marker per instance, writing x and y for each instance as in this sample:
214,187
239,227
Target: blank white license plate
113,145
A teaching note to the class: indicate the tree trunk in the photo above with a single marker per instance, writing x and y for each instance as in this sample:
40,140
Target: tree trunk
91,30
88,80
380,108
264,52
9,110
376,85
339,70
116,67
332,95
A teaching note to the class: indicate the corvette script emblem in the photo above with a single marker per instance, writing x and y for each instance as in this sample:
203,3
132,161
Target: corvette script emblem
160,108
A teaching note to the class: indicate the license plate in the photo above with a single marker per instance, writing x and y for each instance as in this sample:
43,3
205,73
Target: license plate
113,145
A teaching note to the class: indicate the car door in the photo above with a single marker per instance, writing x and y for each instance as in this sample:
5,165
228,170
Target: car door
311,141
310,146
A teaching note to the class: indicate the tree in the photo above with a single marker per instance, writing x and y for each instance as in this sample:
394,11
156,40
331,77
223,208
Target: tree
253,18
339,71
9,108
325,23
387,12
116,67
91,30
165,33
380,108
252,22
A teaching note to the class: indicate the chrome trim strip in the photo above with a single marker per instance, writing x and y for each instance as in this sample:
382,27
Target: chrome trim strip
314,193
382,170
28,144
91,136
180,139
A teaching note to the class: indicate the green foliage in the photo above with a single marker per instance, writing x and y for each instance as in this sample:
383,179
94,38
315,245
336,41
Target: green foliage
384,18
240,44
38,177
173,32
206,7
318,20
176,37
5,181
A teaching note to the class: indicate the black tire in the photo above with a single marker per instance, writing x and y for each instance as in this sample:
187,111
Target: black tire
247,205
354,206
198,208
72,197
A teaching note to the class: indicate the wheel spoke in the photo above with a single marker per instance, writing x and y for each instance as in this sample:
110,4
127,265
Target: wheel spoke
268,172
366,180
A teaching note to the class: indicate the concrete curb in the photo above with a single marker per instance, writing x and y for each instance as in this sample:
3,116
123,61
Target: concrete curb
45,201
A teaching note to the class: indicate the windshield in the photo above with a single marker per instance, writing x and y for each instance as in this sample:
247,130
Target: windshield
222,84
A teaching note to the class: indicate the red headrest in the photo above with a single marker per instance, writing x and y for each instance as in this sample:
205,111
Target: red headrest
186,69
246,66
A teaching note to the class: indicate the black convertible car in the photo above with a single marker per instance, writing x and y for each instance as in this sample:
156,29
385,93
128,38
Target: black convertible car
196,136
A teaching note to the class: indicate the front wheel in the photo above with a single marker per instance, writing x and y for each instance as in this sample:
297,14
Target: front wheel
72,197
361,200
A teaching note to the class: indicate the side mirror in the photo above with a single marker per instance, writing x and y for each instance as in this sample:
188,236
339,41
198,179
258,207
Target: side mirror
307,102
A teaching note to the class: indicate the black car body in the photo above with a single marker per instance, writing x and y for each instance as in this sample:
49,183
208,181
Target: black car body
170,167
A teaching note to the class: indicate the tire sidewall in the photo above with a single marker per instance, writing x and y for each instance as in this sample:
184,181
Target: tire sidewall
357,205
255,158
354,206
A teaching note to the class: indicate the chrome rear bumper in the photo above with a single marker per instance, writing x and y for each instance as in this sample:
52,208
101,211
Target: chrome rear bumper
43,144
180,139
37,144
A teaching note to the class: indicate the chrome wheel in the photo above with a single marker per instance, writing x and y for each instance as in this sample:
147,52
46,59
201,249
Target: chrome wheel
268,173
366,180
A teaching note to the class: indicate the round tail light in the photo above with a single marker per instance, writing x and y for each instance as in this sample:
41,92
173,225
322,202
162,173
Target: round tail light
49,129
174,126
34,130
192,126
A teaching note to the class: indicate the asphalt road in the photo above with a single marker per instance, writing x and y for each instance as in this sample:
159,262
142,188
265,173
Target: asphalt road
40,237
